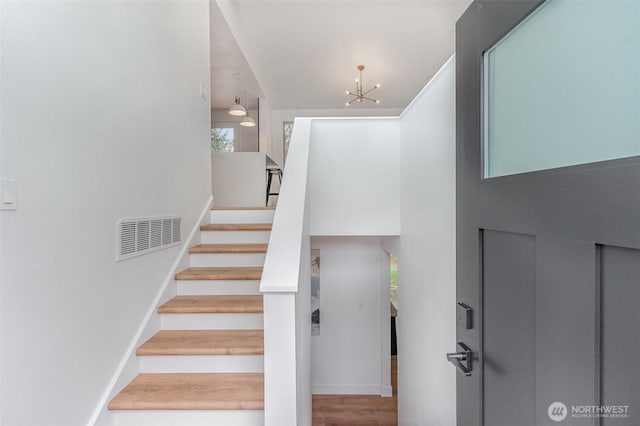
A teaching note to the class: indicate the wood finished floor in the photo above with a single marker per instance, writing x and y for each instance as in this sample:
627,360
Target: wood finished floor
358,410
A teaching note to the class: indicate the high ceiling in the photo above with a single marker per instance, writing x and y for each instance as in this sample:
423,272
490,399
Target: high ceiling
304,53
231,75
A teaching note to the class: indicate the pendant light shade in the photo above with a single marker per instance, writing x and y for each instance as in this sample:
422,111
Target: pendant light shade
237,109
248,122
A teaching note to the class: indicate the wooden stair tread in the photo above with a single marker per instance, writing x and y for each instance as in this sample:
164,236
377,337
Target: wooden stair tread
220,273
243,208
236,227
192,391
223,304
229,248
204,342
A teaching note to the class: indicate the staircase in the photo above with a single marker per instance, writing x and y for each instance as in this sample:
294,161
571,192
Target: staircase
205,365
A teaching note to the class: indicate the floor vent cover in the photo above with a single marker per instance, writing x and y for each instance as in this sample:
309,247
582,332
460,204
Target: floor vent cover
141,235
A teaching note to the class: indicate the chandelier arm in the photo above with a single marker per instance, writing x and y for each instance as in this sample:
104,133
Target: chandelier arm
370,90
369,99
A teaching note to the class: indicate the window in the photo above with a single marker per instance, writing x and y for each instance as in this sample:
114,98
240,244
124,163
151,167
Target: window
287,128
563,88
222,139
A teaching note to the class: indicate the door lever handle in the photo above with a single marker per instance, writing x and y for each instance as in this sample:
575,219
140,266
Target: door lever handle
462,359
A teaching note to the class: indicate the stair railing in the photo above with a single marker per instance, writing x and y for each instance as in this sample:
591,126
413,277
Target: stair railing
285,286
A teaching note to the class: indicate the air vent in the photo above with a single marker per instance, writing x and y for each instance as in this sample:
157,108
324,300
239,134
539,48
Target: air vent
141,235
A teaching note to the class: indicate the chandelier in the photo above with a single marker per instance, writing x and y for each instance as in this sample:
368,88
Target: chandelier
360,95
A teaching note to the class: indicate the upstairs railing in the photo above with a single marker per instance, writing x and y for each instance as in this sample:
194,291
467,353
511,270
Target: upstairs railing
285,286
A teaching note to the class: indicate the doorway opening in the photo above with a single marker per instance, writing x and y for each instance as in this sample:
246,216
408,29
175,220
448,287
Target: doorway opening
393,297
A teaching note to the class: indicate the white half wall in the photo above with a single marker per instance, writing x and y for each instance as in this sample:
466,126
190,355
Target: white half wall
426,268
354,175
238,179
349,356
281,116
101,119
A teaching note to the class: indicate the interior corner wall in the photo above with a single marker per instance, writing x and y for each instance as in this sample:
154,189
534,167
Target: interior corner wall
346,356
426,265
354,175
101,119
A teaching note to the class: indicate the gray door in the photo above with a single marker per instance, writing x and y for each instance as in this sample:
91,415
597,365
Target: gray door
548,259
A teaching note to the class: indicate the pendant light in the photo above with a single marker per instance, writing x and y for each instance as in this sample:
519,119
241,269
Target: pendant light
248,121
237,109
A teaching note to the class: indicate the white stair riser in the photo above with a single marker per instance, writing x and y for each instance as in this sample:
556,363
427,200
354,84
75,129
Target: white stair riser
202,364
212,287
227,259
212,321
189,418
214,237
241,216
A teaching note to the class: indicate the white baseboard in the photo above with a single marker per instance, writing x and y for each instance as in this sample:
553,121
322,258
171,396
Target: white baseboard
129,367
386,391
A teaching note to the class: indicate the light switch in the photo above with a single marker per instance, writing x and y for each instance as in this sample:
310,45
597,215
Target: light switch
9,195
203,91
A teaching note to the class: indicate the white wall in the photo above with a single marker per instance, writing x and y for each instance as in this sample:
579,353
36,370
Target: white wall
280,116
426,269
101,119
246,138
346,356
2,36
354,175
265,124
238,179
